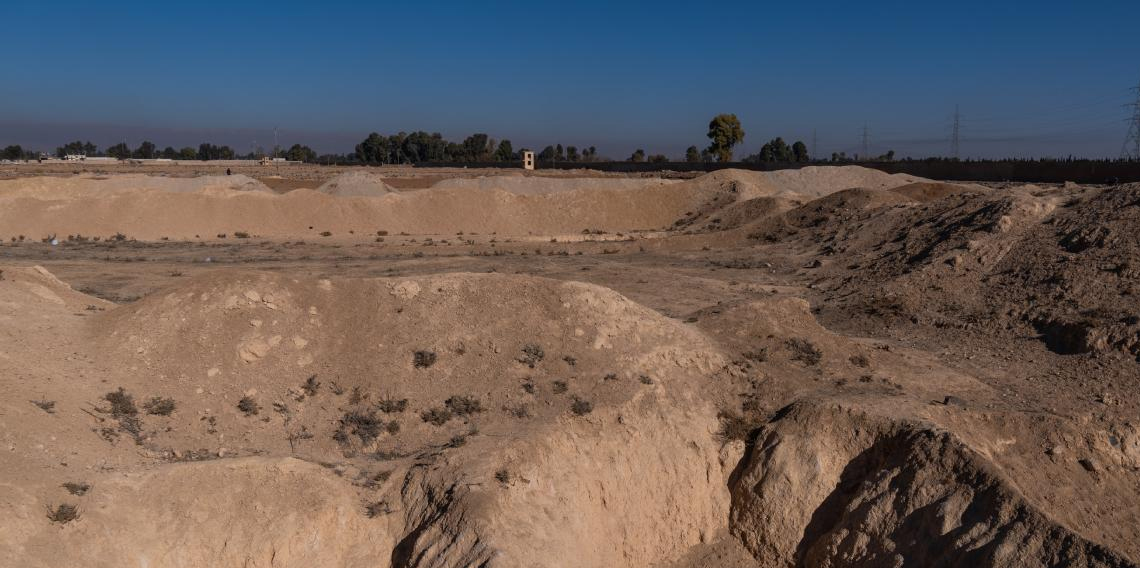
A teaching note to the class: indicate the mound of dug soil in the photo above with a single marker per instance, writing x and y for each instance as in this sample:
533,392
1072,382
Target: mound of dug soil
459,419
355,184
828,486
149,208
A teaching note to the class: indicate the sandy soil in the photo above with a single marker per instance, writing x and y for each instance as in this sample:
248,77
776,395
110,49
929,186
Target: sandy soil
831,367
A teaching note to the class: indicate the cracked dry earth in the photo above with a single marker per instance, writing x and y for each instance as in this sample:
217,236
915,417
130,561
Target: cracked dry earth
831,368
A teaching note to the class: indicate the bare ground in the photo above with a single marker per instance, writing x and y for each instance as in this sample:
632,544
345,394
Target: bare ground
917,375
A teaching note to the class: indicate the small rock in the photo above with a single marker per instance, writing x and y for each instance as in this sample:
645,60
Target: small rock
1088,464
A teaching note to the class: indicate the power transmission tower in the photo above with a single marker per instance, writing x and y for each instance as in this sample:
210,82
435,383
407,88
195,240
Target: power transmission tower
863,156
1131,148
954,136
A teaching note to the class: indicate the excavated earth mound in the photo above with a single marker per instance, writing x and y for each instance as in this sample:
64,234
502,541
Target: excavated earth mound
495,420
356,184
459,419
151,208
831,486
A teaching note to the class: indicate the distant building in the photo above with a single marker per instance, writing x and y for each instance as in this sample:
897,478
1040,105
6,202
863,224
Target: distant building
528,160
75,157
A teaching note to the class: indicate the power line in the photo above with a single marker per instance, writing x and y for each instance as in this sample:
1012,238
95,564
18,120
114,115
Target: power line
1131,147
954,136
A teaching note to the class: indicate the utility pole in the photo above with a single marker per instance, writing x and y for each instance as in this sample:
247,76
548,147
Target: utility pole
814,144
954,136
863,156
1131,148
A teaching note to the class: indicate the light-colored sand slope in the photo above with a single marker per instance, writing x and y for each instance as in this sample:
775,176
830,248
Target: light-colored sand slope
554,424
150,208
356,184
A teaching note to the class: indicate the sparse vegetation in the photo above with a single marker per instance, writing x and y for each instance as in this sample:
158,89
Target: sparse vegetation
63,514
436,416
160,406
123,411
860,360
734,426
241,235
47,406
503,476
392,406
311,386
581,407
423,359
559,387
645,379
78,489
463,405
357,396
804,351
532,354
248,406
518,411
122,403
366,425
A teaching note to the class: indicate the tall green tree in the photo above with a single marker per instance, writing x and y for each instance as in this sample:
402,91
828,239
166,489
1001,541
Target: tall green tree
14,152
299,153
692,154
638,155
120,151
504,153
724,132
77,147
800,152
145,151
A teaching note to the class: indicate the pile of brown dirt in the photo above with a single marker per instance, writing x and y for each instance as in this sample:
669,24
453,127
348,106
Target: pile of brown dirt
150,208
86,186
827,483
355,184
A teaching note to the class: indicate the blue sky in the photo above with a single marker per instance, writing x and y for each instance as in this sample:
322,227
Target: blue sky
1030,78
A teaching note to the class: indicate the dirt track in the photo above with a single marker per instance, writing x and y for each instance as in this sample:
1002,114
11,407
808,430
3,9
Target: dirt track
768,371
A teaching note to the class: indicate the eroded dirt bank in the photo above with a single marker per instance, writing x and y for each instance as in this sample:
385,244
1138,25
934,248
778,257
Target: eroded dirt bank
893,373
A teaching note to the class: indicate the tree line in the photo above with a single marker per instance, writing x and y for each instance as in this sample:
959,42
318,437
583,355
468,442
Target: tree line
147,150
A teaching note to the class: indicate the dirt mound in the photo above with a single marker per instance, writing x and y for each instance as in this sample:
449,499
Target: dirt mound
930,191
37,209
530,416
756,199
102,186
536,185
1048,262
828,486
356,184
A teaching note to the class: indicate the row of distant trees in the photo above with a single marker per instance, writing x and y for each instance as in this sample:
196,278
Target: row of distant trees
148,150
420,146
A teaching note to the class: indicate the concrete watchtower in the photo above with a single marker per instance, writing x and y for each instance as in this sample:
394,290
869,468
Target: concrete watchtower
528,159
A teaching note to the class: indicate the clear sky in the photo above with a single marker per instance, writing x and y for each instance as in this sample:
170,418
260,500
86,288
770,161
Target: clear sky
1031,77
